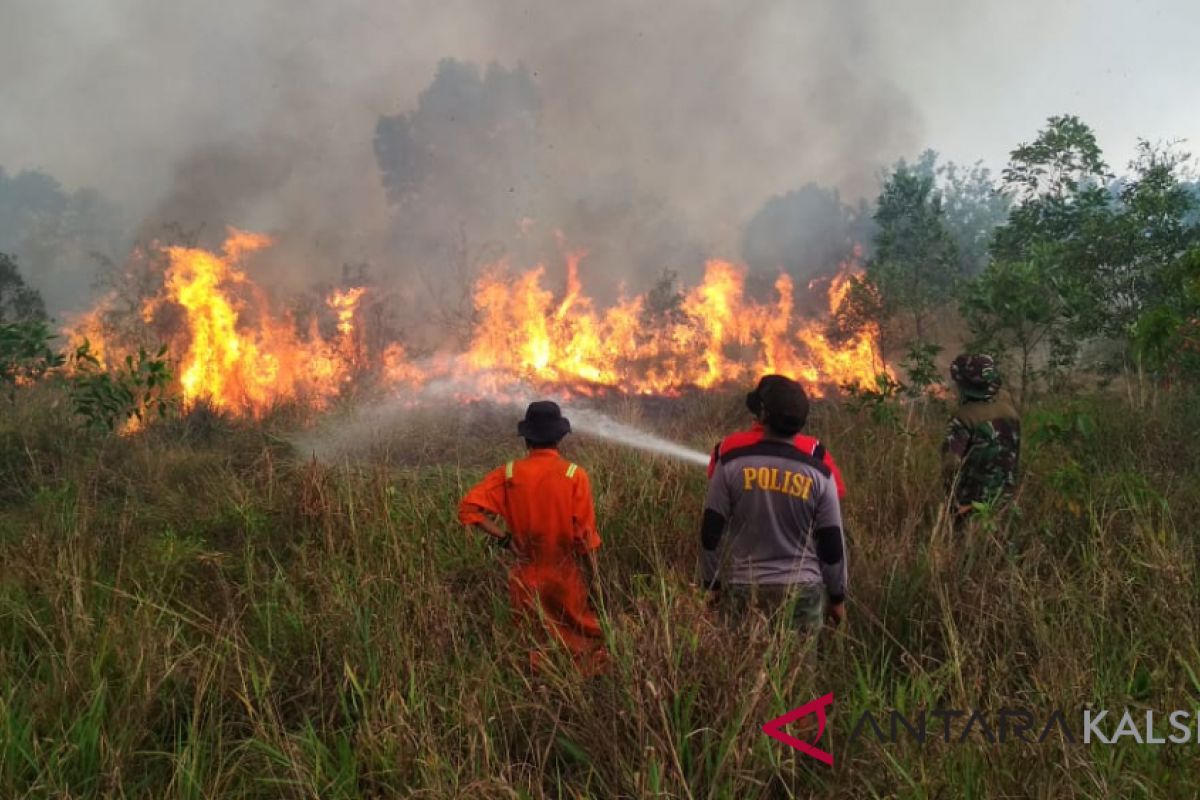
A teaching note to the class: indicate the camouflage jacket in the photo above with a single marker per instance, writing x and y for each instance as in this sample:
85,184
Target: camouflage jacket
981,451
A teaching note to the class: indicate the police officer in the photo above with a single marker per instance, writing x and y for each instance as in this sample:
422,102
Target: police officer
811,445
983,441
772,529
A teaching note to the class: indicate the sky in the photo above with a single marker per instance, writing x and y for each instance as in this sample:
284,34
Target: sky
270,106
1127,67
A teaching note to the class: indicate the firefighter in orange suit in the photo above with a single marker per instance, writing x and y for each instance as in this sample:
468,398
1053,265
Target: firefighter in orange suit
546,505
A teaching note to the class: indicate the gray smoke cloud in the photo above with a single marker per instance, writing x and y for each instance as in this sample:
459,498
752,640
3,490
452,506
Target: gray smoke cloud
661,128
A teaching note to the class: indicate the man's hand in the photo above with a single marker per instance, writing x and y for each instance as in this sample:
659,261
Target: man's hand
836,613
502,537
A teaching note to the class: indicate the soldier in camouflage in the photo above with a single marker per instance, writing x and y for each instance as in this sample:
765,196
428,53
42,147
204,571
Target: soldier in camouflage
983,441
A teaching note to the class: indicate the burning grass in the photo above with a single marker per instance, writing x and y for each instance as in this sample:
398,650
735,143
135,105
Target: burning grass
239,352
198,612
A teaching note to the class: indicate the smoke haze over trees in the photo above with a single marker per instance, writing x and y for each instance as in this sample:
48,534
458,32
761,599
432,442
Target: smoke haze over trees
670,125
805,232
471,167
424,137
55,235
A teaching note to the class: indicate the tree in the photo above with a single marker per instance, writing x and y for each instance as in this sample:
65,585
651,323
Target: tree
1061,221
25,336
916,260
1015,307
55,234
1059,184
974,208
1063,161
1150,237
805,232
1113,259
25,353
1166,338
18,301
466,157
862,308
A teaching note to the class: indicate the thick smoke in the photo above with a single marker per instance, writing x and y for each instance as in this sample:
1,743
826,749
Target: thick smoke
805,232
463,168
56,237
647,134
467,173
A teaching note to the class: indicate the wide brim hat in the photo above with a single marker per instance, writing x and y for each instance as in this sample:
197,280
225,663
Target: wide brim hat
544,423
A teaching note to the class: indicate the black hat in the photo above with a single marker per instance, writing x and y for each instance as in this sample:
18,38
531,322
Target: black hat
543,423
781,401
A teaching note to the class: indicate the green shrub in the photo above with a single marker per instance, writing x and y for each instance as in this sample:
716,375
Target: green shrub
25,353
105,398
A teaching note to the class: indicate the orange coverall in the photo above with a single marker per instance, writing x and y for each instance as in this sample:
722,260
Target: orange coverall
546,503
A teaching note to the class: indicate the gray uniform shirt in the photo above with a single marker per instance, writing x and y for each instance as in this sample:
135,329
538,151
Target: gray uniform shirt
774,498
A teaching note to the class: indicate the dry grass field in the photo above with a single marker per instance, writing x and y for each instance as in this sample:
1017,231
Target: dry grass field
200,611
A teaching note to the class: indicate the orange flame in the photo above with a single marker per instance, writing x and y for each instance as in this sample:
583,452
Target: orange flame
344,303
234,352
721,337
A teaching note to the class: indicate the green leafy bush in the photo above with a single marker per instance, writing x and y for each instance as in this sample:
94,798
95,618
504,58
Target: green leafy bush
106,398
25,353
881,402
920,363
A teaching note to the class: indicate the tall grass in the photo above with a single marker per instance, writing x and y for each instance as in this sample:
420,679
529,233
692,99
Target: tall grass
198,611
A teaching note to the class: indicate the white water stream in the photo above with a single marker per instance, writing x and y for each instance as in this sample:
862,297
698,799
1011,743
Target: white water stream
363,427
592,423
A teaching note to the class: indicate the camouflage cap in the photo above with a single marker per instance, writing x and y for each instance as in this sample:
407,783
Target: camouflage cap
976,375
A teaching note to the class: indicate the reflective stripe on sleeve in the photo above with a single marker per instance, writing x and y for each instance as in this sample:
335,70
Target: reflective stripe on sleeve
571,470
508,471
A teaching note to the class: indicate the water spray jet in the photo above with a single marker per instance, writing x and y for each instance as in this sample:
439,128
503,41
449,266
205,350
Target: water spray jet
362,428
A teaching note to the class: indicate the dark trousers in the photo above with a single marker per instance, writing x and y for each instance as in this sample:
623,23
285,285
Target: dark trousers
799,605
